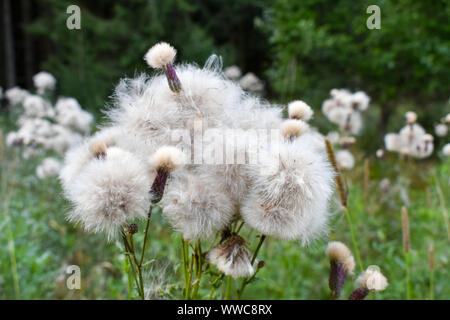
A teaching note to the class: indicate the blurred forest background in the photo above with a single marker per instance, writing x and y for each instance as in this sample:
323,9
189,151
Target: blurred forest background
301,49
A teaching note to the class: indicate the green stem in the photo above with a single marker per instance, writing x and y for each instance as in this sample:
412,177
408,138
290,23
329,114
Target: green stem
443,206
431,284
130,254
213,289
198,257
246,281
408,276
146,235
228,289
352,233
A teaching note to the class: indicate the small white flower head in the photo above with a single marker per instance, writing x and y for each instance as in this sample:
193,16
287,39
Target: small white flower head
427,138
360,101
16,95
233,73
392,142
160,55
37,107
49,167
44,81
300,110
251,82
446,150
70,114
345,159
13,139
196,207
372,279
340,253
232,257
380,153
411,117
292,129
441,130
333,137
447,118
167,158
109,191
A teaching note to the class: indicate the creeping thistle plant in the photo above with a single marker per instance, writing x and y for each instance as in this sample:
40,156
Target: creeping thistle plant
164,147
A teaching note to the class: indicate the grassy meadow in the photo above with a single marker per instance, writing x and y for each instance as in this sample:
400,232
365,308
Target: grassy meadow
38,242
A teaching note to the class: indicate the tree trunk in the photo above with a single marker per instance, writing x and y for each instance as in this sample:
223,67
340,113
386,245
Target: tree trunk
10,67
27,43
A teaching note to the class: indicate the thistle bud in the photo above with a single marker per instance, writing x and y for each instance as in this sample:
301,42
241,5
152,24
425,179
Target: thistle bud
342,264
132,228
165,160
98,149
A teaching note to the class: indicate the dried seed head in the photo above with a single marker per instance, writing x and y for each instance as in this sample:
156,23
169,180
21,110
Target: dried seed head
292,129
372,279
167,158
300,110
411,117
132,228
232,257
160,55
340,253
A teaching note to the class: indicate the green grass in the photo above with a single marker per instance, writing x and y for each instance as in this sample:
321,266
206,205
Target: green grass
37,241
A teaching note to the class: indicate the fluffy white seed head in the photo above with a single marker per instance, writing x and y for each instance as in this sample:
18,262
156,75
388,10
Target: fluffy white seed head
446,150
291,129
380,153
49,167
109,191
340,253
37,107
289,198
16,95
233,73
168,158
232,258
44,81
160,55
392,142
251,82
300,110
411,117
441,130
345,159
196,207
447,118
372,279
333,137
